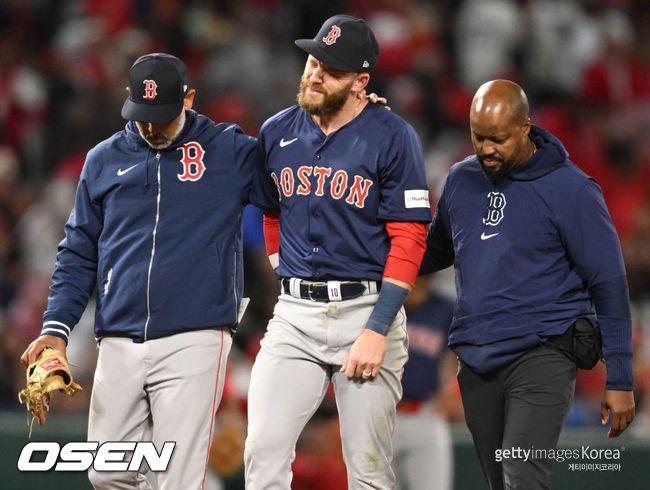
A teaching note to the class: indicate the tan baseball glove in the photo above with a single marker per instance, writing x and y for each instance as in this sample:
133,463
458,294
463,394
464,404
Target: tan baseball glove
50,372
227,451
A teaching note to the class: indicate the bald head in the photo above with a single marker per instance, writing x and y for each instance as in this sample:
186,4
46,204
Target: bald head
500,100
500,124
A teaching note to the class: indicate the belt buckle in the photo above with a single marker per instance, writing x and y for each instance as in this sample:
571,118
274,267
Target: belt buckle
309,286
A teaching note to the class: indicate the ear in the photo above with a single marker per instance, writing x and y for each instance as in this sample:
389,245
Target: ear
526,127
360,82
189,99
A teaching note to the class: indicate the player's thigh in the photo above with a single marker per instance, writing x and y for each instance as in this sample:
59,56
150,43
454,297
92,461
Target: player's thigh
484,408
283,394
483,404
539,386
540,389
119,409
423,443
185,385
366,405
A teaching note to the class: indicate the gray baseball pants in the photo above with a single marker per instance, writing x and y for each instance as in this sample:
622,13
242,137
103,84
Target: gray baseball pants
165,389
302,351
424,451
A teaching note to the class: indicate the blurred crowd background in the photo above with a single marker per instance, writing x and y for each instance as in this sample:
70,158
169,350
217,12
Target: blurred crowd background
585,65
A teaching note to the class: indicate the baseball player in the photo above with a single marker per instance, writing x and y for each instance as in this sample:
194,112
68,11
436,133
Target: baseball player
540,279
422,439
347,178
156,229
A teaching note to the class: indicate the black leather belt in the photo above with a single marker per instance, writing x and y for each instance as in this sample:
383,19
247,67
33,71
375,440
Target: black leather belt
319,291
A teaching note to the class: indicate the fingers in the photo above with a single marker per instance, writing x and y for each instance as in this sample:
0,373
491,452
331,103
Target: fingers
363,371
356,370
31,353
37,346
344,366
24,359
374,98
604,414
620,422
617,427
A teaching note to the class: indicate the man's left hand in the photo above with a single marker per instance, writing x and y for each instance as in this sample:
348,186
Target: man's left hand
366,355
621,405
374,98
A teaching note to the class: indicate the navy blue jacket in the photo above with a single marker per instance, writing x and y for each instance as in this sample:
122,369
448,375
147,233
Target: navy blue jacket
532,253
157,233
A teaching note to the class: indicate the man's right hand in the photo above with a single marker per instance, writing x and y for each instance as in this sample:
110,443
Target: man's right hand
621,406
37,346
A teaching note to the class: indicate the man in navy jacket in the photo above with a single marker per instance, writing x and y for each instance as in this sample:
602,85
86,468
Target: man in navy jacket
536,258
157,230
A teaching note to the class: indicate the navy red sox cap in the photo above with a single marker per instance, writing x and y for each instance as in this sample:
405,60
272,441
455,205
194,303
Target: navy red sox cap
345,43
157,87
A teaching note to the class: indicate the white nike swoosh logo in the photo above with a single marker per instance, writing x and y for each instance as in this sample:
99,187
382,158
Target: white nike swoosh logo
121,172
487,237
285,143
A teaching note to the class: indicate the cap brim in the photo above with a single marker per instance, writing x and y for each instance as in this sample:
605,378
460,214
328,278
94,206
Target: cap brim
151,113
315,49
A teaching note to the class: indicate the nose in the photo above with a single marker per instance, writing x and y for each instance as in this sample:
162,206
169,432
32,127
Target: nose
486,148
153,128
316,75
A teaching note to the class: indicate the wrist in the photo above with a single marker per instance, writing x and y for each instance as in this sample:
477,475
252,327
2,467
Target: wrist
391,298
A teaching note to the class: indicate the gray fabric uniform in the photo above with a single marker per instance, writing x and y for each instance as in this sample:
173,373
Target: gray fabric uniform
163,380
303,351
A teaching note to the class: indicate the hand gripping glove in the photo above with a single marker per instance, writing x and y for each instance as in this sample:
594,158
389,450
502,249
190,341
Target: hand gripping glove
50,372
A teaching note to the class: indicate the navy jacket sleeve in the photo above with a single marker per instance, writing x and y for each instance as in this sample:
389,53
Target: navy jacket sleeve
247,161
593,245
265,194
440,248
75,273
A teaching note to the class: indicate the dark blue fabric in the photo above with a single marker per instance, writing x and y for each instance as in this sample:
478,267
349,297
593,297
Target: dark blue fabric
532,253
391,298
335,193
428,327
193,277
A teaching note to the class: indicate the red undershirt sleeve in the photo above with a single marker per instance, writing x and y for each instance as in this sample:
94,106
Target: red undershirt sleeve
271,228
407,246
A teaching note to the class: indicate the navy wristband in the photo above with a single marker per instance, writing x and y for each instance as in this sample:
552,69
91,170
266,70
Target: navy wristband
391,298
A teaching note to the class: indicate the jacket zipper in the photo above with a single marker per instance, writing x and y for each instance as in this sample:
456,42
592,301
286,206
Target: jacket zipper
234,284
153,247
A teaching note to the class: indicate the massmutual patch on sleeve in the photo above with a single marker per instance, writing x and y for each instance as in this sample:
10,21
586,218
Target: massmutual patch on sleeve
418,198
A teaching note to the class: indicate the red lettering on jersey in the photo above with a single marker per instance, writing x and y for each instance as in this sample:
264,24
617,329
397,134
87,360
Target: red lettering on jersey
305,187
359,191
286,178
339,184
149,89
322,173
192,161
333,35
277,184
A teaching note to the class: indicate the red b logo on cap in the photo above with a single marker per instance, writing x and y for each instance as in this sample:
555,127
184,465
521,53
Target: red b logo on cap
149,89
333,35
